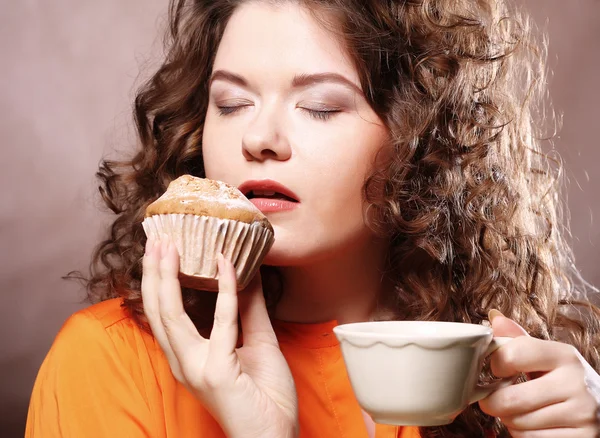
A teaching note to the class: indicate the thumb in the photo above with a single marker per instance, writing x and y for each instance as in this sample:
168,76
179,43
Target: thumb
503,326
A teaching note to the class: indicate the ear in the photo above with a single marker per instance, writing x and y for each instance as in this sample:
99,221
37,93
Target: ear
505,327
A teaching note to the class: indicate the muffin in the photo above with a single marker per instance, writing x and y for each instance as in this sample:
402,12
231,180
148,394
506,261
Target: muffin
204,218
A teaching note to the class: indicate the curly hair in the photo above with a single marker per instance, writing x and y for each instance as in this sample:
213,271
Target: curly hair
467,197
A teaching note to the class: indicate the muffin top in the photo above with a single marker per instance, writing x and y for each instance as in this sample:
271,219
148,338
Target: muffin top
204,197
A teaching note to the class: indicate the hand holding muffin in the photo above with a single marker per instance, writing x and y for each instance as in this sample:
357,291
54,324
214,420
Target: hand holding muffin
189,229
241,387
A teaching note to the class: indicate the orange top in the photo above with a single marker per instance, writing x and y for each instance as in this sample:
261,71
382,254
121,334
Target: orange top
105,377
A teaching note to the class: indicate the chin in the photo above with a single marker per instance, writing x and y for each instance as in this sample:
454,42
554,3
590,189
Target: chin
283,255
301,243
295,252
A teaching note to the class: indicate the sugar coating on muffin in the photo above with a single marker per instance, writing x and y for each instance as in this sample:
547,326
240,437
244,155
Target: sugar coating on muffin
204,197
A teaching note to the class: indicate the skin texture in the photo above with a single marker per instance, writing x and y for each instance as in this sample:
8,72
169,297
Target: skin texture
277,132
328,258
556,402
253,381
273,134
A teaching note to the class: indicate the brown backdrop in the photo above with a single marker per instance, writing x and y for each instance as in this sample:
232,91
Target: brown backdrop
67,77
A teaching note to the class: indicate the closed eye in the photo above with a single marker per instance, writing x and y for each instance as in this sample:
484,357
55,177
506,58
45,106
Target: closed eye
322,115
226,110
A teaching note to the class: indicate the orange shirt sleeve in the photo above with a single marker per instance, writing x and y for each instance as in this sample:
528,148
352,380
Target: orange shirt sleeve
85,389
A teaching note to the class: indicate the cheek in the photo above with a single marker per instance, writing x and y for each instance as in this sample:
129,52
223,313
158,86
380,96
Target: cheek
342,166
217,150
346,160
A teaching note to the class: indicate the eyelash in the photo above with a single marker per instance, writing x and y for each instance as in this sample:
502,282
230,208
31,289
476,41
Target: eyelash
318,115
321,115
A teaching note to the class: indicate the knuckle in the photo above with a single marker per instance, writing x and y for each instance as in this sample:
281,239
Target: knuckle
226,286
589,413
589,416
170,319
509,357
225,312
146,258
224,280
147,263
581,383
487,406
573,372
491,407
167,271
506,357
511,400
521,344
150,271
516,422
570,354
575,376
149,278
221,319
151,314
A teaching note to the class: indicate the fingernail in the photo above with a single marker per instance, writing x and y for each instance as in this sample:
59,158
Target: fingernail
493,314
220,260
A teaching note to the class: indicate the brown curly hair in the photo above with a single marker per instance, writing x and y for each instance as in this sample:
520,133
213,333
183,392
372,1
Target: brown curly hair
468,198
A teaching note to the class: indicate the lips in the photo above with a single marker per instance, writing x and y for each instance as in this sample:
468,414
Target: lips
270,196
267,189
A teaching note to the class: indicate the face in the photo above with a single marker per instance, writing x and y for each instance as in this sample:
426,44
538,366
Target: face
286,105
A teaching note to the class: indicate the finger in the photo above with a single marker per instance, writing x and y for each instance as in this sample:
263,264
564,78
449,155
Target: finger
586,432
571,413
506,327
224,335
151,278
182,335
529,355
528,396
151,282
256,324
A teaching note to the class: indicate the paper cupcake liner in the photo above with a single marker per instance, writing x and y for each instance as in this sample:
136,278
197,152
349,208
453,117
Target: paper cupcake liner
200,238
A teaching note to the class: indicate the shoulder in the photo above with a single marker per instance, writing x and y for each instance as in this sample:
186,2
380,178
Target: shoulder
95,345
99,367
96,320
101,316
103,328
107,313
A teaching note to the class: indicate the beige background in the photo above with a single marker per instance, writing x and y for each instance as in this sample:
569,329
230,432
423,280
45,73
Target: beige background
66,86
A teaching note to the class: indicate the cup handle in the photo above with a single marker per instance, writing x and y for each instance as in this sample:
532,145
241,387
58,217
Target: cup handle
482,391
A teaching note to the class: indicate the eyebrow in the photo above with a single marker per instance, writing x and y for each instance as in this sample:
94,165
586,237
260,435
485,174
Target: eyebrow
299,81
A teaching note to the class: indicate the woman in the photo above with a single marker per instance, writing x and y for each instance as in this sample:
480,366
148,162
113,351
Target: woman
405,131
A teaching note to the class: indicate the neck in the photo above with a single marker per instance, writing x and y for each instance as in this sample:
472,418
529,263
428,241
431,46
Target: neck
346,288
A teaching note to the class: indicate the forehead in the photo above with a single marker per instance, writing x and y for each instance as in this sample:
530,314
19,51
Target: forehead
271,40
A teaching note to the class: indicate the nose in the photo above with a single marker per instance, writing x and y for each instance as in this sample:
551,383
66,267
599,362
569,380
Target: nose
265,138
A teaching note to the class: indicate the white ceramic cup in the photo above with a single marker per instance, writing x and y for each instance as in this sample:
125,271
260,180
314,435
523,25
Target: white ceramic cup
417,373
